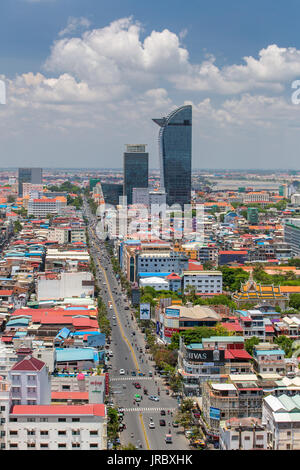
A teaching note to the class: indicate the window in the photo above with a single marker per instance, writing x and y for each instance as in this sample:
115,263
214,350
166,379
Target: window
62,420
30,433
13,433
30,420
62,433
75,444
44,433
44,446
234,438
93,433
66,387
13,420
75,433
13,445
44,420
75,420
32,444
93,445
62,445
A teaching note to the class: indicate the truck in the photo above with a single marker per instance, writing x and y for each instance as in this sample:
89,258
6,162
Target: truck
110,304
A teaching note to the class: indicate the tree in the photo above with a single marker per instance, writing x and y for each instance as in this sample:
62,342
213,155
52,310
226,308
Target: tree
250,343
17,226
113,424
295,301
129,446
285,343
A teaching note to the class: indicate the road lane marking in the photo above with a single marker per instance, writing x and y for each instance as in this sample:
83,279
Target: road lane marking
144,431
117,315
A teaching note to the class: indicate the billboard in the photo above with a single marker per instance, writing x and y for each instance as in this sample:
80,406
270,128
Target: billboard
144,311
214,413
168,332
135,297
173,312
205,355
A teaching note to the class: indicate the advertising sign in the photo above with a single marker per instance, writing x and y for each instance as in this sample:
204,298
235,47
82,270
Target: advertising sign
157,327
144,311
205,355
168,332
172,312
214,413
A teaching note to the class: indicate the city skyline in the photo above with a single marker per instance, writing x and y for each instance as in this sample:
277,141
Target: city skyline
97,75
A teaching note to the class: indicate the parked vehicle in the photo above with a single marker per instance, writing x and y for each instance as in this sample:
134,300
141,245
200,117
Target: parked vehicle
168,439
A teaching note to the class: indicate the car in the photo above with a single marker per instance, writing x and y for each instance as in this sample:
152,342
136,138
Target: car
141,374
126,308
154,398
137,385
175,424
168,439
151,425
133,373
162,413
162,422
122,372
216,445
150,374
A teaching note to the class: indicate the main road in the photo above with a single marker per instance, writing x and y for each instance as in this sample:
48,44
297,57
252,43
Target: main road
126,343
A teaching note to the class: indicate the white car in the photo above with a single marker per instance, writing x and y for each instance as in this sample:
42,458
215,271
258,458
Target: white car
153,398
122,372
151,425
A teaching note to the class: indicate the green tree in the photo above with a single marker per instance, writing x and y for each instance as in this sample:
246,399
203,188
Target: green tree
250,343
295,301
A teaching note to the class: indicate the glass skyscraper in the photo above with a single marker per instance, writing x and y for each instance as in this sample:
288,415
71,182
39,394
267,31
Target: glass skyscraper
136,169
29,175
175,151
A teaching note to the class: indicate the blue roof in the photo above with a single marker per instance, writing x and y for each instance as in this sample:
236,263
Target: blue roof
271,352
18,321
63,333
81,333
75,354
153,274
195,346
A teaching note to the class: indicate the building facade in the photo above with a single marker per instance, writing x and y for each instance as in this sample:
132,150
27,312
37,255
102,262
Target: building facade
136,169
175,150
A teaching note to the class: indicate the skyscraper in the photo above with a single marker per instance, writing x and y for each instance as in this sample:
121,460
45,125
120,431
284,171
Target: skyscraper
175,152
29,175
136,169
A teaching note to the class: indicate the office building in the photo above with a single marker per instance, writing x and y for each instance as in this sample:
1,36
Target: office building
292,235
111,193
29,175
175,151
136,168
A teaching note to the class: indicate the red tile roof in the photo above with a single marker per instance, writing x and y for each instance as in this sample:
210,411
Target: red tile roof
73,410
29,363
70,395
237,354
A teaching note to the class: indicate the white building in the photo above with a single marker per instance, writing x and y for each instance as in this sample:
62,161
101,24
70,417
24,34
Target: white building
44,206
242,434
157,283
204,282
171,262
281,415
57,427
65,284
30,382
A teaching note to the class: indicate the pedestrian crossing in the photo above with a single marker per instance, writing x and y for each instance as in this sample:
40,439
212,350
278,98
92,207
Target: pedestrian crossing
145,410
136,378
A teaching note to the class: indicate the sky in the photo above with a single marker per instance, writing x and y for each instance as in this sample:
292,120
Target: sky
85,77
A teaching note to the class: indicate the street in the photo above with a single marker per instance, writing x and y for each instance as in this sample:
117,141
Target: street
126,342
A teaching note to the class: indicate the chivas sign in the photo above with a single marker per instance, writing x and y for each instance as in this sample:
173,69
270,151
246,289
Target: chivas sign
206,355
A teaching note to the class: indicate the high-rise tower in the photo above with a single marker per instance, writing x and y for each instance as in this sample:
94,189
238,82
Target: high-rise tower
175,151
136,169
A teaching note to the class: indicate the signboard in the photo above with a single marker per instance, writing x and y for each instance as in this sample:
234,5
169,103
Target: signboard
106,383
135,297
214,413
144,311
168,332
205,355
172,312
157,327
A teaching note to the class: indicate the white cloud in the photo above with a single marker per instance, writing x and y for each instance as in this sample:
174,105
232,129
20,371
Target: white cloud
74,25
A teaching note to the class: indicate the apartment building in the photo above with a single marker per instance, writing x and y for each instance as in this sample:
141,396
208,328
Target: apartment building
242,434
57,427
221,401
281,416
44,206
204,282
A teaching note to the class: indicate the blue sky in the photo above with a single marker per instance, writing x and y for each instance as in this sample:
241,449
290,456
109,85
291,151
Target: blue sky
76,102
